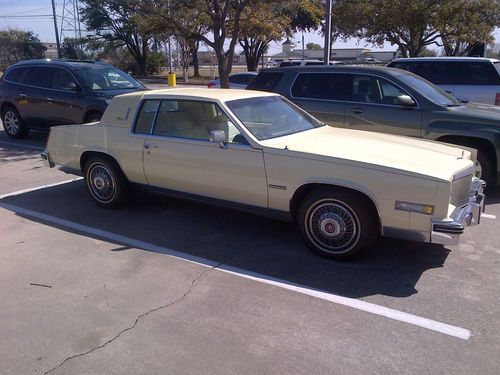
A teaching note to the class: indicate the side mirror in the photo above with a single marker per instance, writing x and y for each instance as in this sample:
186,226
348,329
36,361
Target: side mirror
406,101
218,136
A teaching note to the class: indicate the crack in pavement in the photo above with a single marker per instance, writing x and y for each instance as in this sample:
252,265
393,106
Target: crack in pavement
136,321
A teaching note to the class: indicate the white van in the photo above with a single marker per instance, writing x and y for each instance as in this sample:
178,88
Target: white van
470,79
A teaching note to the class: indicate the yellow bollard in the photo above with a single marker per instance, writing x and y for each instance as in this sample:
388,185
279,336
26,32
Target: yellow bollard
172,80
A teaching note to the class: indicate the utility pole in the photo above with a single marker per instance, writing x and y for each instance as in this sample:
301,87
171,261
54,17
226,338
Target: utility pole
328,31
55,29
303,47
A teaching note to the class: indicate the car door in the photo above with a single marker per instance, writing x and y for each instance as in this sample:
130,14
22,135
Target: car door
34,108
64,99
375,106
323,95
179,155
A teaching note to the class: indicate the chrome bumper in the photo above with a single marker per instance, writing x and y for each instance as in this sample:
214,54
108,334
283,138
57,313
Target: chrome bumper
447,232
45,156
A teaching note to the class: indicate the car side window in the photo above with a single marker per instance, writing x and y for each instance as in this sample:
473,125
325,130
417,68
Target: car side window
193,120
265,81
236,79
376,90
437,72
326,86
16,75
41,77
146,117
62,80
477,73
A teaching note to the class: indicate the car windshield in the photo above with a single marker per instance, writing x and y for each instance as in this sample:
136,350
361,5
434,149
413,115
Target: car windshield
272,116
107,79
433,93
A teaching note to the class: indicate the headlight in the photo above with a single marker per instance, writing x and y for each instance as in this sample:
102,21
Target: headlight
426,209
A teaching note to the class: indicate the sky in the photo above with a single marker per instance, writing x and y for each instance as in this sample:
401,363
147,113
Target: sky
35,15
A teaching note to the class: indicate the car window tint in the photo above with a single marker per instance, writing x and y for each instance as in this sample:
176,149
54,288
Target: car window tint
16,75
369,89
193,120
41,77
496,64
146,116
265,81
314,63
62,80
236,79
247,78
477,73
437,72
405,65
329,86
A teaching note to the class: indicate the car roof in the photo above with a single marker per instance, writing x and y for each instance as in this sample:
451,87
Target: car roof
201,93
446,58
338,68
64,63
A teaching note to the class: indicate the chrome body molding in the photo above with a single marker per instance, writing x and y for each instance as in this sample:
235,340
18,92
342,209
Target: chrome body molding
447,232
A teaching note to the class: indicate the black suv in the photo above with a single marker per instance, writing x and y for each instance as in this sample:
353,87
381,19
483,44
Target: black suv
37,94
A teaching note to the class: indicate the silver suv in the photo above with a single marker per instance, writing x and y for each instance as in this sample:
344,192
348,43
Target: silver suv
470,79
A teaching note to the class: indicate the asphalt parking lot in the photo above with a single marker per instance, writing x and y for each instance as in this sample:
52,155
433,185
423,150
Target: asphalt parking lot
166,286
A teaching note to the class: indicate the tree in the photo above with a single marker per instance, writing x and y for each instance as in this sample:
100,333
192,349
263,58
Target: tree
414,25
16,45
312,46
272,20
219,20
464,23
261,24
116,21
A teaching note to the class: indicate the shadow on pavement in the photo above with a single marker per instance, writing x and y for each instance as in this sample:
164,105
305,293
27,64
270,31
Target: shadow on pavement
252,243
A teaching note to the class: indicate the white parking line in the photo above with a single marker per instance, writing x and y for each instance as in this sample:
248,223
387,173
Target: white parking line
488,216
372,308
36,148
19,192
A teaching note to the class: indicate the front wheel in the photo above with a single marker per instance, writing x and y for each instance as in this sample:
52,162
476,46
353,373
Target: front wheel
337,223
105,182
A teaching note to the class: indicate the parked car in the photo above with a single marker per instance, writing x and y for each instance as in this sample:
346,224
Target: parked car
236,80
471,79
259,152
37,94
392,101
371,60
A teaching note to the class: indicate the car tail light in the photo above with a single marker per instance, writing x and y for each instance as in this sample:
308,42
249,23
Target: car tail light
210,84
497,99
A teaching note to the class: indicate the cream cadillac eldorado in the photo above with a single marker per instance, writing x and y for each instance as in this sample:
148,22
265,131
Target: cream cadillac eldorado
257,151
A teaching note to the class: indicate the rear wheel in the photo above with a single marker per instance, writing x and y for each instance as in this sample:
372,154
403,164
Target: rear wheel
13,124
105,182
337,223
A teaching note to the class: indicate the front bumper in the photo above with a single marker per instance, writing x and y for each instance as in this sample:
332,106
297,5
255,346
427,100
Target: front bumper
447,232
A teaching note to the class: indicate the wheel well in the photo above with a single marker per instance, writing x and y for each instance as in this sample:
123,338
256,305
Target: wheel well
90,114
87,154
5,105
302,191
477,143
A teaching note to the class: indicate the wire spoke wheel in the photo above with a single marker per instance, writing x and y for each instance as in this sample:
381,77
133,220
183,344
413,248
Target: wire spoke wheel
101,183
332,226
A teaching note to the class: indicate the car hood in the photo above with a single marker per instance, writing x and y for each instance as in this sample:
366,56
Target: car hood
387,152
477,113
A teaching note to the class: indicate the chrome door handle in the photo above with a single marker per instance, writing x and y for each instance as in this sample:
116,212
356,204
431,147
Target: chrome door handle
50,99
22,95
146,146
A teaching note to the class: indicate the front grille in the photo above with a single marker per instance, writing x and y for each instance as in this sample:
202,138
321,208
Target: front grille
460,190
